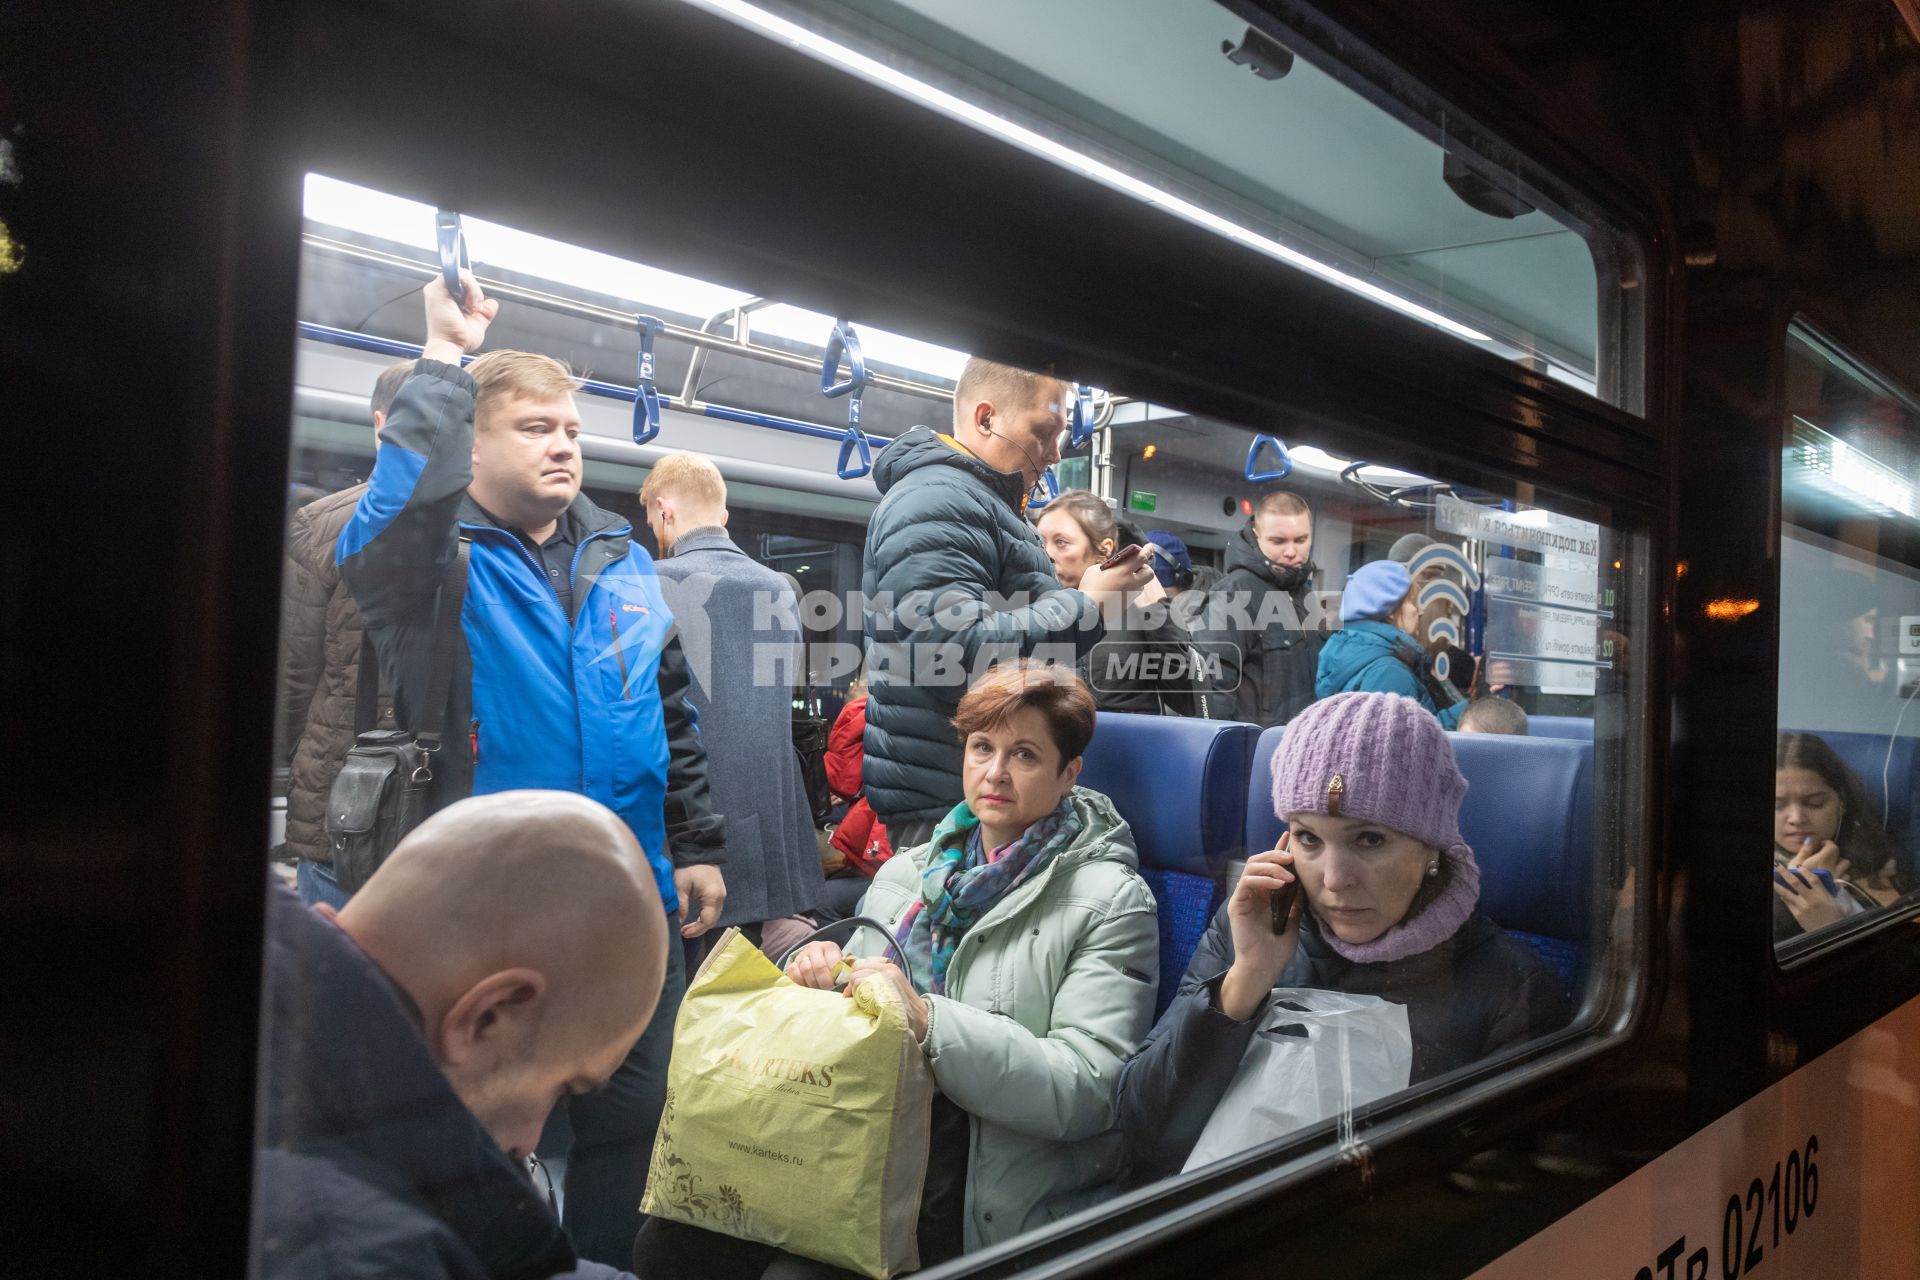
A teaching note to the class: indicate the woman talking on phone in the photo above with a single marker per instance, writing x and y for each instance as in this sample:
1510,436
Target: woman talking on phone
1831,859
1378,896
1144,664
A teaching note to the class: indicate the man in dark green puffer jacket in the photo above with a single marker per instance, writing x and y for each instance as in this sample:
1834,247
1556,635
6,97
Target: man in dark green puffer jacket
955,579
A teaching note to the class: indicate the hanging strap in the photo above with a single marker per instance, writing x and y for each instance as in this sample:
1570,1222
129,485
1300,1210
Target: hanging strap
446,631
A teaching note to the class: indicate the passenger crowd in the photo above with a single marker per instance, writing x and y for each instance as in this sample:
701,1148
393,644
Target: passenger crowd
619,779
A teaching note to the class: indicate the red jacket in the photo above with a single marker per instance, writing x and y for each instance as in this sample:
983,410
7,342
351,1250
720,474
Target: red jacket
861,836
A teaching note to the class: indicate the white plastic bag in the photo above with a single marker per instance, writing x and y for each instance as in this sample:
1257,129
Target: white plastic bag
1316,1054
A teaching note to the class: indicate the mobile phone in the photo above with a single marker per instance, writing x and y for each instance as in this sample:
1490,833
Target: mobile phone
1824,876
1282,903
1122,555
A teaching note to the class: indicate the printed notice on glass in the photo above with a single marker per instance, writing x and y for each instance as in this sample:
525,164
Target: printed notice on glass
1546,622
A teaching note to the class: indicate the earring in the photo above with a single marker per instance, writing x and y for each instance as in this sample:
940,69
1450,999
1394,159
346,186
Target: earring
1433,868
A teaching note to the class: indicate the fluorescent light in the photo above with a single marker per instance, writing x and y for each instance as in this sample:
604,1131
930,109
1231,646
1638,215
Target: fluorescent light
1314,458
1107,175
1830,466
408,222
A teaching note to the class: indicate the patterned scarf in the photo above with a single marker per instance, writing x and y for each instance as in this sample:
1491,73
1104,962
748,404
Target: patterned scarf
963,881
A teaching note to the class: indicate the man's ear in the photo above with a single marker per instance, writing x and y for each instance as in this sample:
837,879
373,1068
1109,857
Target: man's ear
493,1020
981,420
379,421
724,515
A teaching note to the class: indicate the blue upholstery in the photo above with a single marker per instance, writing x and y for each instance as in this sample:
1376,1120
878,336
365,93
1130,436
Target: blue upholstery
1867,755
1182,786
1529,816
1263,828
1579,728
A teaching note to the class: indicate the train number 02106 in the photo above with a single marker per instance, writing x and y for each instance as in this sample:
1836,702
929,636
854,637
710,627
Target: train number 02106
1769,1211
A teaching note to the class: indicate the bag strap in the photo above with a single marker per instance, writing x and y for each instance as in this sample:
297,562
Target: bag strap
862,922
446,629
366,697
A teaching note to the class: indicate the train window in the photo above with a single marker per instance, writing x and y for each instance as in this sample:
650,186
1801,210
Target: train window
1263,138
1192,1040
1847,763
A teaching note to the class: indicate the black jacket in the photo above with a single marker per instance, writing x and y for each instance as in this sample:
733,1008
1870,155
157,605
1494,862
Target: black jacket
369,1166
1146,665
1268,637
1472,995
954,579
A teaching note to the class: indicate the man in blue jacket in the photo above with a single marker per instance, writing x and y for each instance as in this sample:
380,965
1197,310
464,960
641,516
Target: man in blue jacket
572,679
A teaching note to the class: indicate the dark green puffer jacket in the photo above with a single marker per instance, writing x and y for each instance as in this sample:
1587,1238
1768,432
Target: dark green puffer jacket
954,579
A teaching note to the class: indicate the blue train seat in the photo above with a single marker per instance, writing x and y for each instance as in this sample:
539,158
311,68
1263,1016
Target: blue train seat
1528,816
1578,728
1181,785
1889,769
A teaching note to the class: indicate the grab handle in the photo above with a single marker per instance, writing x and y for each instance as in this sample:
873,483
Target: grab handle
453,252
646,400
1253,472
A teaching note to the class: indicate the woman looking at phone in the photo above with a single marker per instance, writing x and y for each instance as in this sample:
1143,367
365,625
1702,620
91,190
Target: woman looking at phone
1079,532
1385,902
1831,859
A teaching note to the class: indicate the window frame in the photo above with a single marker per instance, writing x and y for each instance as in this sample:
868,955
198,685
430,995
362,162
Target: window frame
1808,959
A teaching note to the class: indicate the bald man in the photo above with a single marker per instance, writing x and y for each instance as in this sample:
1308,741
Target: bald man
508,954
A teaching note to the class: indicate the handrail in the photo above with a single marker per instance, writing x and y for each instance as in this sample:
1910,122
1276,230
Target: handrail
1083,416
646,400
1254,474
453,252
607,390
625,319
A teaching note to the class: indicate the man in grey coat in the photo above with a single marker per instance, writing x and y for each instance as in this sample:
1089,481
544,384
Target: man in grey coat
739,627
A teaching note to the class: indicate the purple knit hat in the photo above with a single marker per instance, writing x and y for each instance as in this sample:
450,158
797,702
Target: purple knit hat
1384,758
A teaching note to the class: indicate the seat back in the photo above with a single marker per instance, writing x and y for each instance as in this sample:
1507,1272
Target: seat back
1181,785
1578,728
1528,816
1263,827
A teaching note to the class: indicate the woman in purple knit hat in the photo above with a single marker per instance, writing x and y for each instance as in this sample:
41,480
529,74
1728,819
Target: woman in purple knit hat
1390,908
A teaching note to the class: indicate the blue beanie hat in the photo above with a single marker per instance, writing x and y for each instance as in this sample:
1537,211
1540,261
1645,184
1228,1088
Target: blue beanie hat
1372,591
1174,567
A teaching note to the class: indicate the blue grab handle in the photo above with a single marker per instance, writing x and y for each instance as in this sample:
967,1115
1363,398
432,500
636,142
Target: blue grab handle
646,400
844,342
855,439
1257,476
1048,486
453,252
1082,415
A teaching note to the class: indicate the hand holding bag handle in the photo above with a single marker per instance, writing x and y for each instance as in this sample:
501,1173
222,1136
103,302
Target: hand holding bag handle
859,922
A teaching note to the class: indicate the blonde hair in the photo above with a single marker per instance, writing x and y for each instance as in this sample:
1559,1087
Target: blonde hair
515,375
1003,385
685,475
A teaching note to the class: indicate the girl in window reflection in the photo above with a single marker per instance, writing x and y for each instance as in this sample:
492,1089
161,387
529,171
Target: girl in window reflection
1822,822
1389,907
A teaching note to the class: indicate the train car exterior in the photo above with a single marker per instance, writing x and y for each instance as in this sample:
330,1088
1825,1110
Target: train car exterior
1741,182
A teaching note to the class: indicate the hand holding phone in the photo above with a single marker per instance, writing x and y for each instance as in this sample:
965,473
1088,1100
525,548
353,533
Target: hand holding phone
1123,555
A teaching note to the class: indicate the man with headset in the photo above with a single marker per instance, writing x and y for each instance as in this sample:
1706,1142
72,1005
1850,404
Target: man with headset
954,578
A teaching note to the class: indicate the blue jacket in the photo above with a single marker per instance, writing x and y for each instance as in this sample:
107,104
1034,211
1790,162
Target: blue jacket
369,1165
1366,657
595,703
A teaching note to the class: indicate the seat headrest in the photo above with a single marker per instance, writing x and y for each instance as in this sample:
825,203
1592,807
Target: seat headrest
1529,818
1886,767
1181,785
1578,728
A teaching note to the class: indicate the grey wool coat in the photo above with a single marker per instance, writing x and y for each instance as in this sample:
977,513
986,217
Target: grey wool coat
742,691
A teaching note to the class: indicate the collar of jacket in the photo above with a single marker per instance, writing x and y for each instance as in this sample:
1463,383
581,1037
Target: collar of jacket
589,518
923,446
352,1082
1386,635
1244,553
1104,836
707,537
